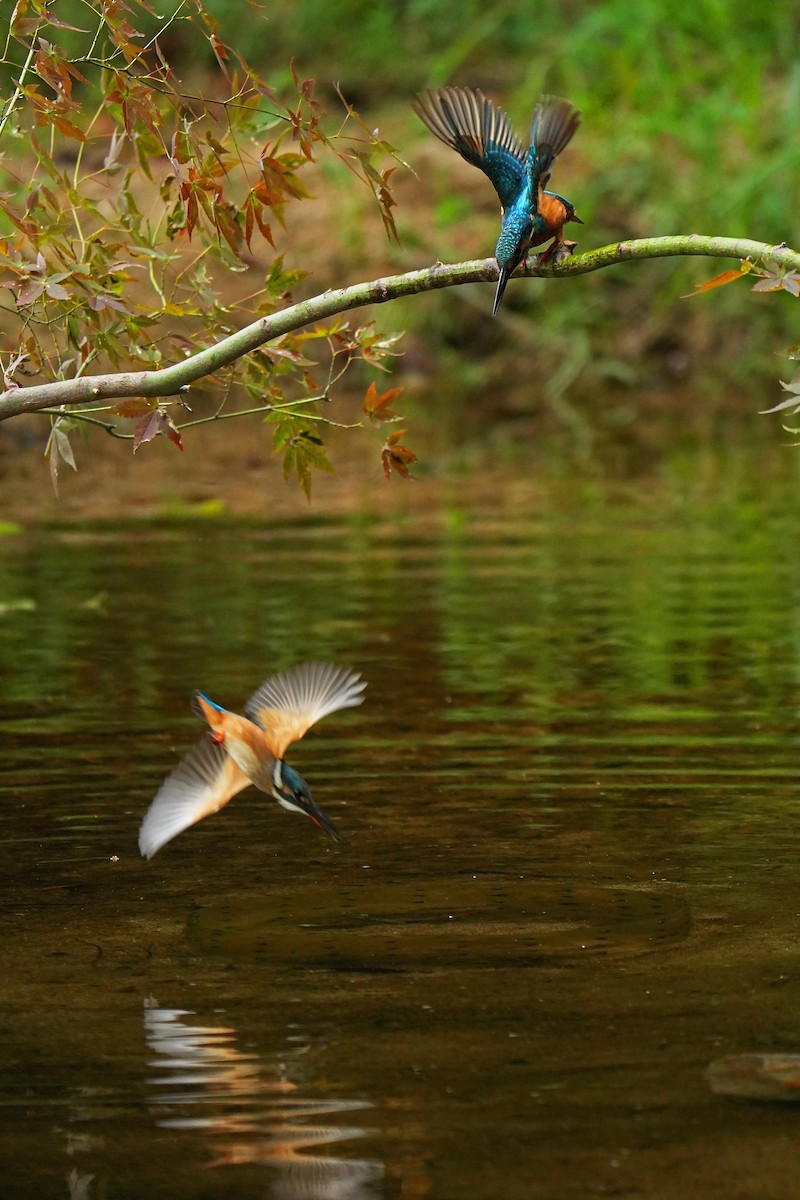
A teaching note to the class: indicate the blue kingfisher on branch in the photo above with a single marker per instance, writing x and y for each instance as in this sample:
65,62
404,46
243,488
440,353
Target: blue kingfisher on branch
482,134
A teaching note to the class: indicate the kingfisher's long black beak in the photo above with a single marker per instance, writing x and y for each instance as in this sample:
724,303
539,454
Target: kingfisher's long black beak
502,280
319,818
577,220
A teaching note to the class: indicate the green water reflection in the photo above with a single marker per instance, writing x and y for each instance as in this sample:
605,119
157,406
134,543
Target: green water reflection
567,881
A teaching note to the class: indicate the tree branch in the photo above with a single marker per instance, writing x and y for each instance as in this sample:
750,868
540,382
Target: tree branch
171,381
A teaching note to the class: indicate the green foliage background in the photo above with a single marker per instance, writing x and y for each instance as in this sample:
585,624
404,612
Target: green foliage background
691,115
690,110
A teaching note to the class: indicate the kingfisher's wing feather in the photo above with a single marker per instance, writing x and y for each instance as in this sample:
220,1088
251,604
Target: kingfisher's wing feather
553,125
202,783
290,703
481,133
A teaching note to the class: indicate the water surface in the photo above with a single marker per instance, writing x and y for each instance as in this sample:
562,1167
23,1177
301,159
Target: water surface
567,881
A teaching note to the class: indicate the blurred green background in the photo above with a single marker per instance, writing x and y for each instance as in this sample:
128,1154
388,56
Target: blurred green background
690,124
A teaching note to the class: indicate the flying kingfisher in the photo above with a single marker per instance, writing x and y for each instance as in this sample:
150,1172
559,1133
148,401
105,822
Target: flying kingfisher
237,751
482,134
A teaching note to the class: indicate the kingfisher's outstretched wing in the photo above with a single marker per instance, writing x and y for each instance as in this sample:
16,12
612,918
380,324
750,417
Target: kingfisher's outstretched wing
202,783
481,134
553,125
290,703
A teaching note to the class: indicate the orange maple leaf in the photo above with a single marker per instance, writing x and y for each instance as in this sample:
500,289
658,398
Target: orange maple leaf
377,407
395,457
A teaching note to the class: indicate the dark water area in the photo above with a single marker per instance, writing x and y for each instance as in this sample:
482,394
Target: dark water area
567,882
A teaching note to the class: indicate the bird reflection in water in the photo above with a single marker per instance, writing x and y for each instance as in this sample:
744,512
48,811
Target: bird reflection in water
251,1109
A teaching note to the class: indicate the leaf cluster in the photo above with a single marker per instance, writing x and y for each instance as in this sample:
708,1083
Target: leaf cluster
133,210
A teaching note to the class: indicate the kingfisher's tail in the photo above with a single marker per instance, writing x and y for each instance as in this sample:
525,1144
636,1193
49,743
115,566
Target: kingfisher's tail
198,700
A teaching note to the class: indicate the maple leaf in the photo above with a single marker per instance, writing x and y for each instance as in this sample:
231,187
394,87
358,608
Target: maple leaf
227,225
133,408
29,292
775,278
25,362
396,457
153,423
219,48
302,452
374,347
377,407
254,215
720,280
102,301
793,403
58,450
55,71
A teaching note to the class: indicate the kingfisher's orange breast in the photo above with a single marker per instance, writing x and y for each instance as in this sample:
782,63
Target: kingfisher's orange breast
554,213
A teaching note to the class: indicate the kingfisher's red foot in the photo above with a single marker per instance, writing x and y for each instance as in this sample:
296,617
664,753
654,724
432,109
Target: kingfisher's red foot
558,251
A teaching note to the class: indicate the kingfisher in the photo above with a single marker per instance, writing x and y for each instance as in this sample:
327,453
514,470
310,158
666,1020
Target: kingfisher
482,134
237,751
